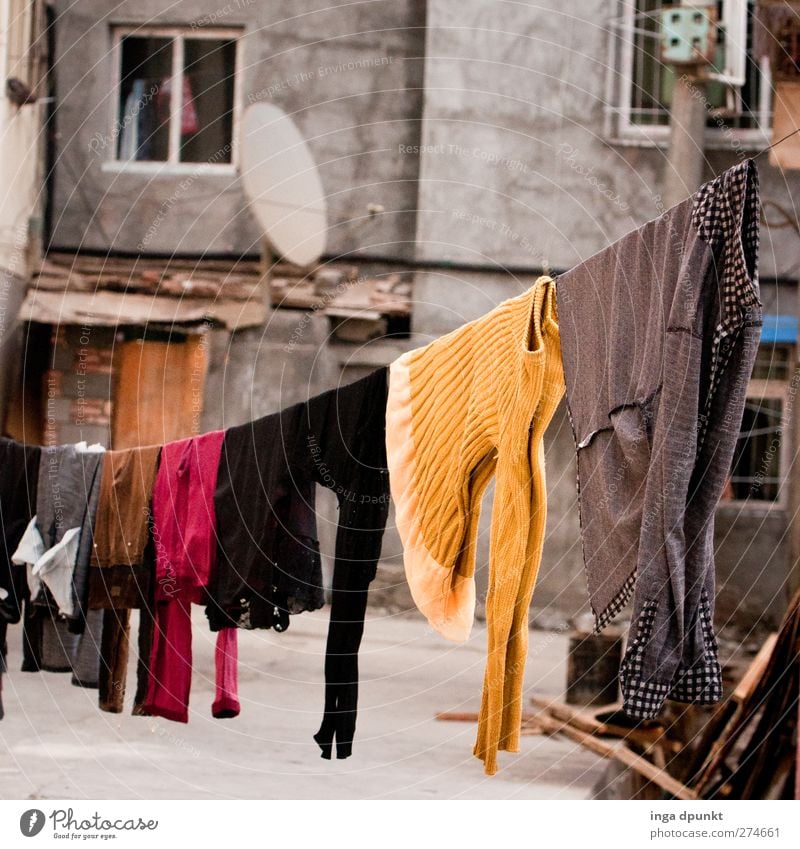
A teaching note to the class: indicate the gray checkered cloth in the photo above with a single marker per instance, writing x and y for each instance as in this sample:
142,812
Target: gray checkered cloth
659,333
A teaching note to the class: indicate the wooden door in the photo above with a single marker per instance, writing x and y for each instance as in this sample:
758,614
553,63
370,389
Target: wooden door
158,390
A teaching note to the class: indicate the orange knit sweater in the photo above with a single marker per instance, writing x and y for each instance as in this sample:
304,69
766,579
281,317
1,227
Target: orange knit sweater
472,405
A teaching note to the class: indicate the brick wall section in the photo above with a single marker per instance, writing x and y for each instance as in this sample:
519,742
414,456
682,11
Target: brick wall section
78,386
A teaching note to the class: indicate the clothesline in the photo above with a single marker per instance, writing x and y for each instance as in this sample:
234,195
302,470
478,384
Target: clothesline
224,519
651,340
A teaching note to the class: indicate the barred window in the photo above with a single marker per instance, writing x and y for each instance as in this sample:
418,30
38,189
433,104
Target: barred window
759,464
640,85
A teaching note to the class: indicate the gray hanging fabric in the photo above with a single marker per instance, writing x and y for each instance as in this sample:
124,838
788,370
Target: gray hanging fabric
659,333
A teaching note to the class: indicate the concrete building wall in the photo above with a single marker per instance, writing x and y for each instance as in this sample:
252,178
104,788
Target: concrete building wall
20,195
334,69
753,561
514,165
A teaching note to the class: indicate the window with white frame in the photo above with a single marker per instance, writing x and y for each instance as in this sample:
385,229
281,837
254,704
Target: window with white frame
759,464
639,84
177,95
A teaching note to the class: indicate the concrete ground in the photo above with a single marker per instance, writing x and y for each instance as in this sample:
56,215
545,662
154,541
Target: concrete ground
55,743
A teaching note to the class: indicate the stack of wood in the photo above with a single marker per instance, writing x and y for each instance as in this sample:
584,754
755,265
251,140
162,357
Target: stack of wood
749,748
358,308
644,747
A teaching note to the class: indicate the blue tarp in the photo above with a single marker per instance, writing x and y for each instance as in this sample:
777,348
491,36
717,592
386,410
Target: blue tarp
779,330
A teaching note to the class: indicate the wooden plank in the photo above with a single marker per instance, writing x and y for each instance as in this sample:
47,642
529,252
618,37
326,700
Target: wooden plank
567,713
715,740
649,738
620,752
87,263
456,717
746,708
531,724
713,732
112,309
469,716
755,670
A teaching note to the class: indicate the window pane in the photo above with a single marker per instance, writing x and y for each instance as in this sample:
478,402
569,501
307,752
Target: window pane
755,474
207,113
651,92
653,80
772,363
144,99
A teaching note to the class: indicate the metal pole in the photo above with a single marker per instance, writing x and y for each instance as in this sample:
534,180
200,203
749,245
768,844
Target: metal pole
683,172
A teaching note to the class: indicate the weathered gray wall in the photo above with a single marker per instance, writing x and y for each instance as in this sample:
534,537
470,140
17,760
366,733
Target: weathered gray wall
514,165
503,157
752,566
293,54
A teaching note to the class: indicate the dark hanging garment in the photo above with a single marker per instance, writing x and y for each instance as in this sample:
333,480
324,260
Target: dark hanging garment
659,333
86,660
136,586
346,434
3,655
57,545
18,485
18,482
144,650
32,636
91,463
268,563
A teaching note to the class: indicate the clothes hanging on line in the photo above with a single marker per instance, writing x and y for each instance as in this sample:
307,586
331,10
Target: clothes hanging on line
659,334
19,474
184,537
56,544
19,480
122,524
122,563
86,659
469,406
55,551
3,655
346,436
269,564
163,560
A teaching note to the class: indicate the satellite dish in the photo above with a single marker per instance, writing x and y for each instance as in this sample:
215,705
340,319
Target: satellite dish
282,184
